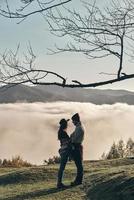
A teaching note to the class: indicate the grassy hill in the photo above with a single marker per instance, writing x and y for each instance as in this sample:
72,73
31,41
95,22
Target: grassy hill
103,180
110,180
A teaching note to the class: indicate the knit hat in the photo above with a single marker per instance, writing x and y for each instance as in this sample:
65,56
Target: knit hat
76,117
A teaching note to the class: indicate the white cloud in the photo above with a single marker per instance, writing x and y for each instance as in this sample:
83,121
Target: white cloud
30,129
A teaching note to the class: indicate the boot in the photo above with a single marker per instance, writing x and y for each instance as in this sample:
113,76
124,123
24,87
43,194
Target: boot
61,186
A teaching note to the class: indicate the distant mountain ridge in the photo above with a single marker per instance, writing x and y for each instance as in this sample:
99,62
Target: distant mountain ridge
23,93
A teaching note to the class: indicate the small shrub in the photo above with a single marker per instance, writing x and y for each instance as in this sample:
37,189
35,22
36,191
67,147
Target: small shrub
16,161
53,160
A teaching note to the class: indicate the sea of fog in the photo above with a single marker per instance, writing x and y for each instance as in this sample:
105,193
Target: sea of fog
30,129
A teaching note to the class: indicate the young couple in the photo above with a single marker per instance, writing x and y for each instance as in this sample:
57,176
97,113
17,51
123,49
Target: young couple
71,146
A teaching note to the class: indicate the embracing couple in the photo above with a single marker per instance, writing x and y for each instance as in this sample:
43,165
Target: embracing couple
71,146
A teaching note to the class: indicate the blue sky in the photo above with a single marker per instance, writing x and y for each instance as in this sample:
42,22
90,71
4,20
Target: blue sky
72,66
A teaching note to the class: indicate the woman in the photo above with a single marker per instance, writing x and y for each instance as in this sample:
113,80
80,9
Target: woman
64,151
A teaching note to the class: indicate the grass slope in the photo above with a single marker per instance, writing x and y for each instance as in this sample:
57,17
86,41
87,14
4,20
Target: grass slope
110,180
37,183
103,180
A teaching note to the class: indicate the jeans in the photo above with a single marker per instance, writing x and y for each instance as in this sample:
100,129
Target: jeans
77,157
63,162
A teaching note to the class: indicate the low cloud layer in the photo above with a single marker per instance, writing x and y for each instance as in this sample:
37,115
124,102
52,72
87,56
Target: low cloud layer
30,129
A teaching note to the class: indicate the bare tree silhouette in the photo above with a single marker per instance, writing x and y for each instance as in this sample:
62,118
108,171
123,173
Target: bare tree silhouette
15,71
21,13
97,33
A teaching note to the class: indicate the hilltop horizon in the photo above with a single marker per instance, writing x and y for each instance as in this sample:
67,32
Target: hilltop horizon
40,93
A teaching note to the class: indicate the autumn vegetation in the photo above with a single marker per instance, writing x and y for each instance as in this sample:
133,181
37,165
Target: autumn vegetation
120,150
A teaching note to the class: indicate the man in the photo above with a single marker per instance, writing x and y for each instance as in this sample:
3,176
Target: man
77,150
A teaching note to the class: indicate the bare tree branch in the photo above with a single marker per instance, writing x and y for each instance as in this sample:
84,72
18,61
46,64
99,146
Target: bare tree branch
98,33
42,7
14,72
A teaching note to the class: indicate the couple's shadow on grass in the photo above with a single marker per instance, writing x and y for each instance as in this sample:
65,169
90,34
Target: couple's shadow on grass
37,193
